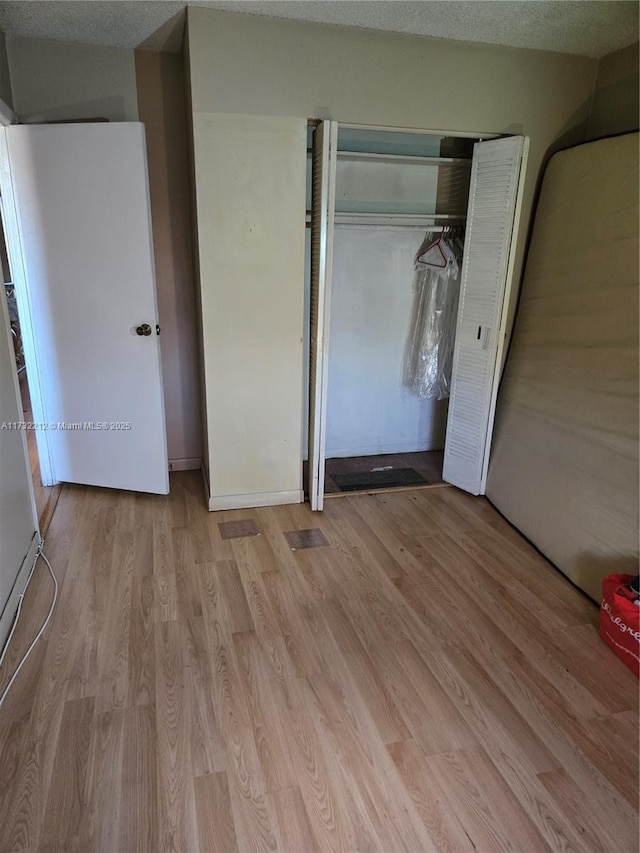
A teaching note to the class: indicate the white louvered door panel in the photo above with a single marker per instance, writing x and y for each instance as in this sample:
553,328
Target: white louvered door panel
325,142
493,197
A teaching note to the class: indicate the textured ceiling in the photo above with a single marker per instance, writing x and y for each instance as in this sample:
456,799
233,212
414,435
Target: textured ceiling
587,27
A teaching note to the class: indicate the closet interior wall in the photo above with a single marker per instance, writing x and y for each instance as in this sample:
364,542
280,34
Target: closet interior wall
404,186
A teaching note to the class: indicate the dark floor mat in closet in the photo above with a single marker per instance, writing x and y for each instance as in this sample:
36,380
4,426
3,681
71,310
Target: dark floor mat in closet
360,481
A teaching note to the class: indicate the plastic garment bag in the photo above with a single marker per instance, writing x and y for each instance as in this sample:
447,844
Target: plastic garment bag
429,350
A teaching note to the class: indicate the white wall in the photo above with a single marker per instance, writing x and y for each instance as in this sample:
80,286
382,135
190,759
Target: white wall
370,185
368,409
18,515
18,521
54,81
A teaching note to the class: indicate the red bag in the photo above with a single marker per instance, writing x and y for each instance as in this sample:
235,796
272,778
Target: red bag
620,620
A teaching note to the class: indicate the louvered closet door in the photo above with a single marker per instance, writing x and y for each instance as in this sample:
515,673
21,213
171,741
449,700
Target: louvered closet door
493,195
325,141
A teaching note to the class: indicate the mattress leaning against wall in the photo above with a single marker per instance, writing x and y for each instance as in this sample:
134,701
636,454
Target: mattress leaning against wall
564,460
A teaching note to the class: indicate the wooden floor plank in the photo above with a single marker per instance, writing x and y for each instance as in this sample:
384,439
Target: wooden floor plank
438,815
102,817
484,803
293,821
215,819
139,810
68,794
570,800
268,711
550,714
424,681
177,824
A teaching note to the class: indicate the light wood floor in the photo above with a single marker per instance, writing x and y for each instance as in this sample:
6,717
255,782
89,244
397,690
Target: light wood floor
425,682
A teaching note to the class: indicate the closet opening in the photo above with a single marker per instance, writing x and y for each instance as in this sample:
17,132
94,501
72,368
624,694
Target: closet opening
387,214
392,350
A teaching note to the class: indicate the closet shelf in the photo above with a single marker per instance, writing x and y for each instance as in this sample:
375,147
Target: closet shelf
426,160
351,218
419,220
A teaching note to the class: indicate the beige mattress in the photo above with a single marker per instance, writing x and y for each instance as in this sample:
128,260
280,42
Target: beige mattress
564,460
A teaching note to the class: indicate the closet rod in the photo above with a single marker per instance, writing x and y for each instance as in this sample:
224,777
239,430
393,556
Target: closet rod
432,229
422,220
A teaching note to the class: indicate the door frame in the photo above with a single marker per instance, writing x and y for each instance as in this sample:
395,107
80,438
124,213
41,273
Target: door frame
15,252
8,607
19,280
478,136
7,611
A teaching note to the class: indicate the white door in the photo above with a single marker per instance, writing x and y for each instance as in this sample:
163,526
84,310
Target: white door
76,210
494,196
325,145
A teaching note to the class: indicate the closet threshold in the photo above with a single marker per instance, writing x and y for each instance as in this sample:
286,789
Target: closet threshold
386,489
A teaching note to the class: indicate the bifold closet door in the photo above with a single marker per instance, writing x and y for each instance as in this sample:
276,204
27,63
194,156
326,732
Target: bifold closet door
493,199
325,143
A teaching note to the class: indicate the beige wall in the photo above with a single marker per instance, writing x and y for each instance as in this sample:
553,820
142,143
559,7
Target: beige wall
54,81
253,65
161,104
5,76
257,66
615,97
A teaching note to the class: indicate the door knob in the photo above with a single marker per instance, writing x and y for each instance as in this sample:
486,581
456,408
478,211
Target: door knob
144,329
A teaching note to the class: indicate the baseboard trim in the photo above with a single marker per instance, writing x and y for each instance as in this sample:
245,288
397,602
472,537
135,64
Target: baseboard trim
193,463
295,496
